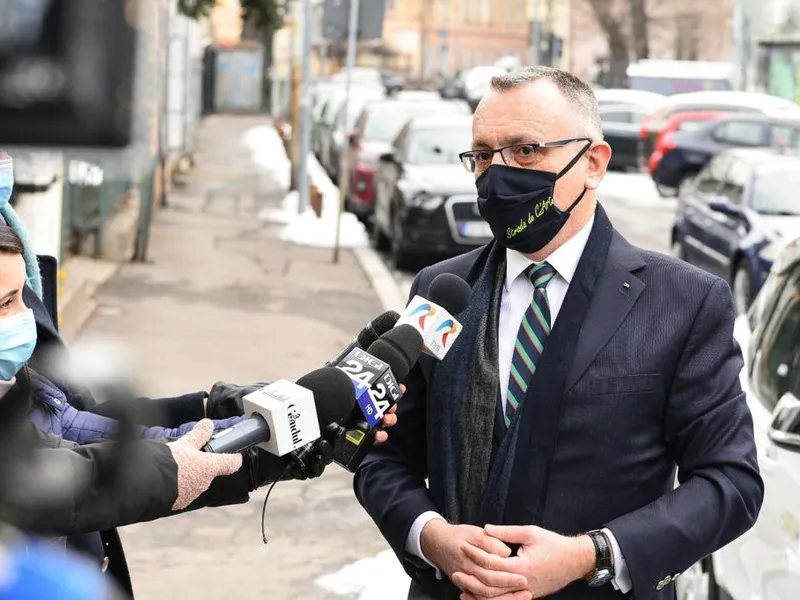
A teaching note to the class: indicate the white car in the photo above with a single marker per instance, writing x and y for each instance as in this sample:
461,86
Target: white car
764,563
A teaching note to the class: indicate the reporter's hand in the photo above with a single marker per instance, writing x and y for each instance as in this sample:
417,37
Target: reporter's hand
389,420
266,468
443,544
197,469
225,399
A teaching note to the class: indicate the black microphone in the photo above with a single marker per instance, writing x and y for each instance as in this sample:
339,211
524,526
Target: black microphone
450,292
284,416
371,332
392,356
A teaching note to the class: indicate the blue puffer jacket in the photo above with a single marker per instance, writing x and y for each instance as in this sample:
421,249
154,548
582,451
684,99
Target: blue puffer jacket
51,413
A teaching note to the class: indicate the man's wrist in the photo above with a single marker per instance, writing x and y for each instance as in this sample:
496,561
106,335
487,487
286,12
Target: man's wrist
428,537
585,556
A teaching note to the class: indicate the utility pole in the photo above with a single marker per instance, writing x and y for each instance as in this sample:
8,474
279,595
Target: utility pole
294,145
444,58
304,133
352,37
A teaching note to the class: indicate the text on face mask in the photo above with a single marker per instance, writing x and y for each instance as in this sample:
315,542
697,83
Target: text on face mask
538,210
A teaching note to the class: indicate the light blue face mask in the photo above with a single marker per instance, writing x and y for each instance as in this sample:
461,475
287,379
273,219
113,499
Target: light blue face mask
17,341
6,180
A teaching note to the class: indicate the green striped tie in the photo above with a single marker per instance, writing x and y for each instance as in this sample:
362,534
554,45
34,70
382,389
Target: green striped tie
531,338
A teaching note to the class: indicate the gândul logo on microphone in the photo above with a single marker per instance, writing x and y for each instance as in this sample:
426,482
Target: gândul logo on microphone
294,416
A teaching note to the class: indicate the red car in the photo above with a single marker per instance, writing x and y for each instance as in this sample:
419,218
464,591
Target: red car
375,130
686,121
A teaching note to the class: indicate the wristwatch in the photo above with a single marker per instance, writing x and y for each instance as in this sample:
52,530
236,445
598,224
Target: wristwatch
603,571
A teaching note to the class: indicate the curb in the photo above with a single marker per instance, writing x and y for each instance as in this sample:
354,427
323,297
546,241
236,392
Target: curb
380,278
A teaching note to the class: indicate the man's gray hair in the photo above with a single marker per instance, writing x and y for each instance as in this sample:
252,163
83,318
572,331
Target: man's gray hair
576,92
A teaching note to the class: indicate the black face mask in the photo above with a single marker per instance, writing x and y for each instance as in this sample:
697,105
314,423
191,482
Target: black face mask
517,204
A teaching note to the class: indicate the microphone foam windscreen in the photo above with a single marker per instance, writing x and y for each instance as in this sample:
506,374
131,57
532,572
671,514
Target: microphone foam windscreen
377,327
450,292
400,347
333,393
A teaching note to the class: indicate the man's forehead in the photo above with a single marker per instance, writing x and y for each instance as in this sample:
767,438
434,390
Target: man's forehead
536,112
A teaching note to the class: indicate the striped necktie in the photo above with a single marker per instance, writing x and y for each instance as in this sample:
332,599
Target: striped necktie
531,337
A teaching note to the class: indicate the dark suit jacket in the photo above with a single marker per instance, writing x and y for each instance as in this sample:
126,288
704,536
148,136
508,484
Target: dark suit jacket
654,384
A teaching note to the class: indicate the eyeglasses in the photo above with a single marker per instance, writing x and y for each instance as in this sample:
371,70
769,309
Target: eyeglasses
522,155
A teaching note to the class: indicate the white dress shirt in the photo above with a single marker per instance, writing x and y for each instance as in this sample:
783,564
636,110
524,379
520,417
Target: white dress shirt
516,298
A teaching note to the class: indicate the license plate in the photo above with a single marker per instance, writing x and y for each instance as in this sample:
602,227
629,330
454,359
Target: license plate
475,229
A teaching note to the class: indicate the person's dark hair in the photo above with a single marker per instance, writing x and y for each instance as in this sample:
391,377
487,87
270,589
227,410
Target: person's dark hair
9,241
574,90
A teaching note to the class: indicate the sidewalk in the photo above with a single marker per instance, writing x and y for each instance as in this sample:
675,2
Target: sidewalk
225,298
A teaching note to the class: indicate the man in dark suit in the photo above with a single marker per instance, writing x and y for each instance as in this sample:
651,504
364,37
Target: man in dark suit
587,370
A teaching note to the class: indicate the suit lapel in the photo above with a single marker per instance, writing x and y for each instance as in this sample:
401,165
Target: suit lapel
617,291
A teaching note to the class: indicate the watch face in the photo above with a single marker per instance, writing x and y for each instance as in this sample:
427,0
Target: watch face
600,577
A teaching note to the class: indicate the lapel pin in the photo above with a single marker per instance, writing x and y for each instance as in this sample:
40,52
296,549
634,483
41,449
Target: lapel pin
626,285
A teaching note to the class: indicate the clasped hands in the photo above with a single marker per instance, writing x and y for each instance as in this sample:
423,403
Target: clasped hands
478,560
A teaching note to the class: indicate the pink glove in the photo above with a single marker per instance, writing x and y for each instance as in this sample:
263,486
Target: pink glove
197,469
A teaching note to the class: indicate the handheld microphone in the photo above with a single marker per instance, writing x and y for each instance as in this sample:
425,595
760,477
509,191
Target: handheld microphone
392,356
371,332
433,317
283,416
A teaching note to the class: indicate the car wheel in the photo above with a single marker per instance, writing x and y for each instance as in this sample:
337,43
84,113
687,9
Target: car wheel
697,583
742,288
400,258
377,238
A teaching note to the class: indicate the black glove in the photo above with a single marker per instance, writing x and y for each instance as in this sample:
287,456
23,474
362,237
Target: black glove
265,468
225,399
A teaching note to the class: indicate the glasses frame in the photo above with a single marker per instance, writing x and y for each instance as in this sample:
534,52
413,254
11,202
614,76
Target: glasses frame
535,145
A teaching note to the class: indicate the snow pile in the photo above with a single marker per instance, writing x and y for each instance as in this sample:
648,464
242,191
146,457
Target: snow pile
358,579
303,228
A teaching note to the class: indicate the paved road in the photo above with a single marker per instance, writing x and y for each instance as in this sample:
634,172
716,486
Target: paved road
632,204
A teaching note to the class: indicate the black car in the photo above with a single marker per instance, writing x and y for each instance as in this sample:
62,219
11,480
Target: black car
737,215
684,154
621,125
425,201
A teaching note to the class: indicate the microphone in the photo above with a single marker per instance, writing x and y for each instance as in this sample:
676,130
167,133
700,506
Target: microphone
375,374
371,332
433,317
283,416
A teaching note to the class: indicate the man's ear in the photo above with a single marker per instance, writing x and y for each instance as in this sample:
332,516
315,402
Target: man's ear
599,154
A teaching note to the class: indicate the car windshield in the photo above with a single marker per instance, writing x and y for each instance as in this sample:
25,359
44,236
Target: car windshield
439,145
775,191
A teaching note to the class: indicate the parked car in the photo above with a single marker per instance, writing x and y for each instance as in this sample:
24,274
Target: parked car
453,87
477,83
617,96
417,96
681,156
621,131
764,563
736,215
678,123
425,201
392,82
342,126
375,130
332,110
747,102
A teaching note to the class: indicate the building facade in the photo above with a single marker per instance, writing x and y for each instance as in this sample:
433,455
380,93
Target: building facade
440,37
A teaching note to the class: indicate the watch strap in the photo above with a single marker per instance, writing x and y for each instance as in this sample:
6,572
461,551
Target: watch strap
602,548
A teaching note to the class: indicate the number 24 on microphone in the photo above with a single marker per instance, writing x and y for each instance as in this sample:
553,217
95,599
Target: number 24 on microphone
375,385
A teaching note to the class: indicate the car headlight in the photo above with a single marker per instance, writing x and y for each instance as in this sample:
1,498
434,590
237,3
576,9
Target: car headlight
426,201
